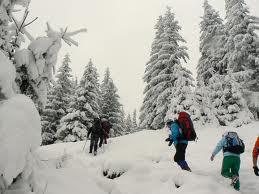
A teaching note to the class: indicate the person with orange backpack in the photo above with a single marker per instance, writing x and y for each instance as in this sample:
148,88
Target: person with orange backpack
182,131
255,157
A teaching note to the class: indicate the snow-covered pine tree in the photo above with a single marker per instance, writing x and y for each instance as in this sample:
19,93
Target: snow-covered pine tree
129,125
162,72
181,95
6,38
146,111
134,120
202,102
58,102
212,33
228,105
49,119
242,44
110,106
86,107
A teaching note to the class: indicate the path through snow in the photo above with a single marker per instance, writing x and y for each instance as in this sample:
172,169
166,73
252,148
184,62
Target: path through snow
146,164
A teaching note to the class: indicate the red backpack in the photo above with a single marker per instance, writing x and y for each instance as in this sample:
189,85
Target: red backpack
186,125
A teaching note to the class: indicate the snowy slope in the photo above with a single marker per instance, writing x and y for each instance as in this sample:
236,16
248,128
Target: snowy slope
147,166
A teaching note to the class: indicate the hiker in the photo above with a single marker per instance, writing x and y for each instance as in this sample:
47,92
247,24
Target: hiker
255,157
179,142
232,147
96,132
106,126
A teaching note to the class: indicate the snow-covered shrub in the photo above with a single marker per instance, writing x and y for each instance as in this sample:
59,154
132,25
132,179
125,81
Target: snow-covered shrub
20,132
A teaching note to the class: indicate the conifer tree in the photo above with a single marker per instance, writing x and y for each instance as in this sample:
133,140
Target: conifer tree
161,71
59,98
129,125
134,120
181,95
84,110
110,106
242,44
212,33
228,104
146,111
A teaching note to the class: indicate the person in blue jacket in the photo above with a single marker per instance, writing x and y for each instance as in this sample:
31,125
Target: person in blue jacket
231,161
179,142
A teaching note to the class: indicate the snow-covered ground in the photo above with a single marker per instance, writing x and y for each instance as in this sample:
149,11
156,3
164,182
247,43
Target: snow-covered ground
147,165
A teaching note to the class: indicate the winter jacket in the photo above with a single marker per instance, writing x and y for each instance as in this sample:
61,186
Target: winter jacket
256,148
223,143
106,127
96,130
175,134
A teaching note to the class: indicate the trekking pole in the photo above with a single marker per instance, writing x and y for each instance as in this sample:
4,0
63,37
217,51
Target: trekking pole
85,144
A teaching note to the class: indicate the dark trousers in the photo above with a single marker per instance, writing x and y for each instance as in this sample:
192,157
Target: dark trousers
101,141
94,144
179,156
180,152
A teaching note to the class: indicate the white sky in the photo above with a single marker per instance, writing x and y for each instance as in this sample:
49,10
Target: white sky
120,33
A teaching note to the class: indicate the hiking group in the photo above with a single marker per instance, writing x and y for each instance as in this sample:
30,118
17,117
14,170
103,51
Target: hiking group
99,133
182,131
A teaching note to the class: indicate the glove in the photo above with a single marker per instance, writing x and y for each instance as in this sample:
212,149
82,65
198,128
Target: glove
170,143
256,170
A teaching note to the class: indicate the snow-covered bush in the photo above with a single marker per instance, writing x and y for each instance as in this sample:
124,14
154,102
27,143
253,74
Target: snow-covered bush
20,131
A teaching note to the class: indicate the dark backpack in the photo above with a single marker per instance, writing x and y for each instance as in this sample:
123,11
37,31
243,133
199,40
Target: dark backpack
186,125
97,127
234,144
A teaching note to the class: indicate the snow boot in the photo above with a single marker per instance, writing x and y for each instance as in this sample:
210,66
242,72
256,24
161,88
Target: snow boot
95,153
234,180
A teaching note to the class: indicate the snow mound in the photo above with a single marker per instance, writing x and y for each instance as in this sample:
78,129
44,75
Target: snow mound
20,135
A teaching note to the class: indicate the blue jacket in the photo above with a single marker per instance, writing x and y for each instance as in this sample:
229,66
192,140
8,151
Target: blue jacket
223,143
175,134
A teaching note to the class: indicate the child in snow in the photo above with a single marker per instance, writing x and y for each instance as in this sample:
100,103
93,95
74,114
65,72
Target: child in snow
180,143
255,156
231,160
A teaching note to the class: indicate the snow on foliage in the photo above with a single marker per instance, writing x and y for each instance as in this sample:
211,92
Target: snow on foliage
212,31
20,130
242,43
39,61
7,76
160,75
110,105
59,99
84,109
228,103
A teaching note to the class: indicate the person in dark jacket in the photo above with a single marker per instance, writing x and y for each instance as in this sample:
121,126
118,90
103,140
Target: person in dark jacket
106,126
180,144
96,132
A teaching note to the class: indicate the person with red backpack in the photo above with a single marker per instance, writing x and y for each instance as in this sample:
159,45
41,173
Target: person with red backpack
106,126
180,135
255,156
232,147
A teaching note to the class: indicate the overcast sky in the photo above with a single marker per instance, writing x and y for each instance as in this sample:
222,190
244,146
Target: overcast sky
120,33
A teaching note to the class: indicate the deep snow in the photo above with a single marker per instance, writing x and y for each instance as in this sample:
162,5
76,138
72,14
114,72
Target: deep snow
147,165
